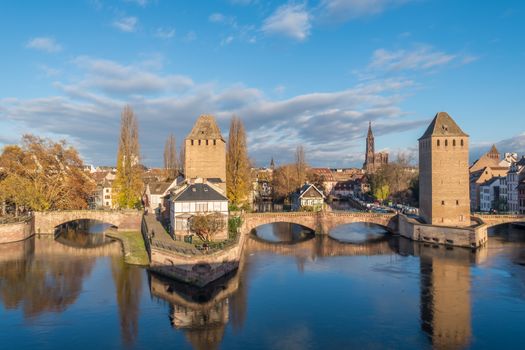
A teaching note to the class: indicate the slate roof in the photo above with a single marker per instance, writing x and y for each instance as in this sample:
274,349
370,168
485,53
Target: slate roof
443,125
199,192
205,128
158,187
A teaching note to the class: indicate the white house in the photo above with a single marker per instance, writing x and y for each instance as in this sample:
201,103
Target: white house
308,198
102,198
195,197
491,196
515,174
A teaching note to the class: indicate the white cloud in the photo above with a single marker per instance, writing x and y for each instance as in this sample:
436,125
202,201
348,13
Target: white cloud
141,3
165,33
227,40
46,44
126,24
343,10
291,20
48,71
421,58
190,36
216,18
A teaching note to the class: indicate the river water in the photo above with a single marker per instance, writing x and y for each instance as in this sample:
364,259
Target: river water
360,289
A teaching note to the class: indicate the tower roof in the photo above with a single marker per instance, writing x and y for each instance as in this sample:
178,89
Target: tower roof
205,128
494,151
443,125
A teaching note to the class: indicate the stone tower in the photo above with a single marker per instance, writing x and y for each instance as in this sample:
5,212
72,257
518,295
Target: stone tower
444,173
206,152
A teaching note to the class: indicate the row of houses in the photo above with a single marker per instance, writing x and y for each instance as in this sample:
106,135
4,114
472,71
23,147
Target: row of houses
497,184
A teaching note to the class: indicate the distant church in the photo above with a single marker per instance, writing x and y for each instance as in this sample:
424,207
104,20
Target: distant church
373,161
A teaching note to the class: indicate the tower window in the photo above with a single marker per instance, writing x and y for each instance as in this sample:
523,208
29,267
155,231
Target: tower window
442,202
457,202
199,142
461,143
446,143
454,143
438,143
206,142
214,142
192,142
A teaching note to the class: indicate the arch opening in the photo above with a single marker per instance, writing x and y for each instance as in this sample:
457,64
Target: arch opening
283,232
84,233
359,233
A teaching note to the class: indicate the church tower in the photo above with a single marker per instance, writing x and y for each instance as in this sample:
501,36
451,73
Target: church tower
370,150
444,173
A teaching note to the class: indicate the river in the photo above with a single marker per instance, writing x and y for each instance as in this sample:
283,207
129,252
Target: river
360,289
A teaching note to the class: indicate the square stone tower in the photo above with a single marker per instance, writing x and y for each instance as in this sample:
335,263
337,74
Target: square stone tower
205,154
444,173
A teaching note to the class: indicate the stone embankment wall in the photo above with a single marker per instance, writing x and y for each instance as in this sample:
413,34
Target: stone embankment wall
199,269
469,237
16,231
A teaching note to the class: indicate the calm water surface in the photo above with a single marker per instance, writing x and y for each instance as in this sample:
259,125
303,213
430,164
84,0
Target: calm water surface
375,292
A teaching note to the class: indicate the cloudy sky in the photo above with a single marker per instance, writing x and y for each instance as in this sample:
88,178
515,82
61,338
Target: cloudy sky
298,72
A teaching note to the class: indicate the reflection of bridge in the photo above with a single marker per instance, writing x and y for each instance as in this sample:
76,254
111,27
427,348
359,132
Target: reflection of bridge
320,222
494,220
324,246
47,221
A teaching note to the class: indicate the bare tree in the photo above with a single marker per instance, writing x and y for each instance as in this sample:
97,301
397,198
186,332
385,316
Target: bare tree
300,165
182,158
171,165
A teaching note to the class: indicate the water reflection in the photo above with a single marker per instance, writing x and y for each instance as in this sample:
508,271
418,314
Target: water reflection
283,232
317,293
83,233
359,233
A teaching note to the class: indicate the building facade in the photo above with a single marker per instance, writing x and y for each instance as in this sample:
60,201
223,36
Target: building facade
308,198
521,197
514,176
444,173
205,152
373,161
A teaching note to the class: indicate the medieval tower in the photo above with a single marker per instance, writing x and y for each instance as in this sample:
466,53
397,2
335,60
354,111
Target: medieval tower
373,161
205,155
443,173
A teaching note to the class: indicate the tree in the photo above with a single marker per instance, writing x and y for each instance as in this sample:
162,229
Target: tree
238,175
300,165
41,174
128,183
284,181
182,158
206,226
171,164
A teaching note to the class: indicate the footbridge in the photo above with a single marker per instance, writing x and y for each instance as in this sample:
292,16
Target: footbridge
494,220
321,222
47,221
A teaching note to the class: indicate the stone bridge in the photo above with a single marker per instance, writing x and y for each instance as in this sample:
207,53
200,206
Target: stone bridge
321,222
47,221
494,220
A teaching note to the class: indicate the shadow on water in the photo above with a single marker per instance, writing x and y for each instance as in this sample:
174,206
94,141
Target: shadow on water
359,233
283,232
83,234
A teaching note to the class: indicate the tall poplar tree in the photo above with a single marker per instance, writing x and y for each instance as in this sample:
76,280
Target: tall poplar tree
171,165
128,185
300,165
238,177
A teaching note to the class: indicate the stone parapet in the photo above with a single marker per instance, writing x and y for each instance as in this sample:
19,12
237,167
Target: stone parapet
16,231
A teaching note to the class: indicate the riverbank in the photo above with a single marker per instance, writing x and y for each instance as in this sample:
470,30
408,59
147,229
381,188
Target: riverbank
133,247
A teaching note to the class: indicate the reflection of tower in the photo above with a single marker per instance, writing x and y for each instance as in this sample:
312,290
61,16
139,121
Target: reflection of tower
445,301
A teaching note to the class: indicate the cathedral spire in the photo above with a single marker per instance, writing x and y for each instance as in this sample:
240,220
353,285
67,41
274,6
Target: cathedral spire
370,134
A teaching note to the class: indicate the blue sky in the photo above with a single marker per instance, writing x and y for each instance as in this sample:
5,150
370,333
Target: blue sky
311,73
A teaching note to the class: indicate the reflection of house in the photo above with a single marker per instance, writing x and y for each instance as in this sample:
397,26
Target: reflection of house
195,197
308,198
102,197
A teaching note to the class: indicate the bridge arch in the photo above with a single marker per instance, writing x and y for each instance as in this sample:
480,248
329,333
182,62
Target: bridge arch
496,220
46,222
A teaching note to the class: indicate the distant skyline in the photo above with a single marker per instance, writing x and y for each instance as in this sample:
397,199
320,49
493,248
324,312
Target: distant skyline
311,73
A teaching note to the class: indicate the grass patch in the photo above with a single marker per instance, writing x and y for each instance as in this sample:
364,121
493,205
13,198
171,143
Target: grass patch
134,249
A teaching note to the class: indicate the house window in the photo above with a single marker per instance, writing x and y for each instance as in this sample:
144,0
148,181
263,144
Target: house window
107,203
201,207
